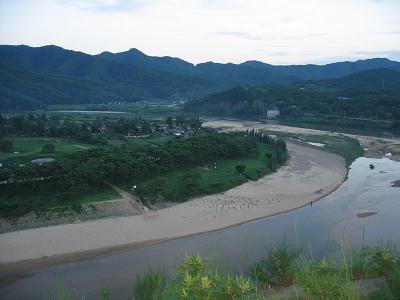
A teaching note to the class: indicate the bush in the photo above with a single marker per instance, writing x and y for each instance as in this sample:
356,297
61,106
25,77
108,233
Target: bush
323,280
48,148
196,280
386,262
240,168
150,287
277,268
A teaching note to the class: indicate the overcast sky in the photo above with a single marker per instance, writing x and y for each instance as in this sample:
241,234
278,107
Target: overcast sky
273,31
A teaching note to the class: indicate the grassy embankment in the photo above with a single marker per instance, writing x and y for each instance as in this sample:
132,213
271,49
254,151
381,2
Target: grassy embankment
217,176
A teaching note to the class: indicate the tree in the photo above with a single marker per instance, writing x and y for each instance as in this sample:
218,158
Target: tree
170,122
240,168
6,146
48,148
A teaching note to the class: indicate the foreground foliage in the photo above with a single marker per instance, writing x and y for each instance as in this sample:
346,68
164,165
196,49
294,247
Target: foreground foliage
330,278
196,279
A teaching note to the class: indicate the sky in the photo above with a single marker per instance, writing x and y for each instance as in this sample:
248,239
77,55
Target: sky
272,31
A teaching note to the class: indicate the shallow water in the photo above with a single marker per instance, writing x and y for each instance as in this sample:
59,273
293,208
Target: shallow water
318,229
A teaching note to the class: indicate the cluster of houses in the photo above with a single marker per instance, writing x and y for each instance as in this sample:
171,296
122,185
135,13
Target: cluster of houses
160,129
163,131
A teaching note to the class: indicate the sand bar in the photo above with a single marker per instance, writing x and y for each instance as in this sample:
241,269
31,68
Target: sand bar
309,175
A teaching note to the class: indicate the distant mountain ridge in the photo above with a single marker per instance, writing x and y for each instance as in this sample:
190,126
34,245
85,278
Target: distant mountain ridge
133,75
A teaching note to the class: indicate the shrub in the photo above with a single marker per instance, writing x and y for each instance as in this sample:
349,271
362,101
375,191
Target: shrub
386,262
361,263
150,287
324,280
196,280
277,268
240,168
48,148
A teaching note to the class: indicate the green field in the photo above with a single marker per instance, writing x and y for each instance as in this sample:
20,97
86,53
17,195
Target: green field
215,177
135,109
28,148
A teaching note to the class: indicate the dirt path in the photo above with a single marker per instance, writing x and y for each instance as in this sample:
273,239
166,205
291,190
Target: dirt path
136,204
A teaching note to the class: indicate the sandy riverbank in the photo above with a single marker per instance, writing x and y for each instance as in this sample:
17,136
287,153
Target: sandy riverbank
309,175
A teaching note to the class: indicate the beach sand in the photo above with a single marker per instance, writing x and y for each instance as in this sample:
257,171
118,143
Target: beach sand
309,175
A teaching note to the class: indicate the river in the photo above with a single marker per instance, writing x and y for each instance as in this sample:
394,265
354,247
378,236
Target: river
365,209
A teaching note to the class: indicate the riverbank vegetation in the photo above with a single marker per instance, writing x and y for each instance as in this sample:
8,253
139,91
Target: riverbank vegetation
69,179
286,272
347,147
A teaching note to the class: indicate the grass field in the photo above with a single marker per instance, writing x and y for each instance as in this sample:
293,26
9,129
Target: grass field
135,109
216,176
28,148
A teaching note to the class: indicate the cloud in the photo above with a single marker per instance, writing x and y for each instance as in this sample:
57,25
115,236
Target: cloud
392,32
109,6
240,34
272,53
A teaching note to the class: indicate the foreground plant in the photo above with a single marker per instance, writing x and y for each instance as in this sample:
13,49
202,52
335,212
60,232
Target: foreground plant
325,280
195,279
386,263
150,287
277,267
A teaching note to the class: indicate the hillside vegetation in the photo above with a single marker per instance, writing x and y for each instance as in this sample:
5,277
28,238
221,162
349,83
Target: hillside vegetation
32,78
368,98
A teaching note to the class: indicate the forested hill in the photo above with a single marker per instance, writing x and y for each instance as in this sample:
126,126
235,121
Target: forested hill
377,80
367,94
33,77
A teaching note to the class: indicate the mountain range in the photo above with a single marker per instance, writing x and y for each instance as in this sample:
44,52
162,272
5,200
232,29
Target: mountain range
33,77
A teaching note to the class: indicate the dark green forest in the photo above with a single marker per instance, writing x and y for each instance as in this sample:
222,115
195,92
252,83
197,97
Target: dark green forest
372,95
32,78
